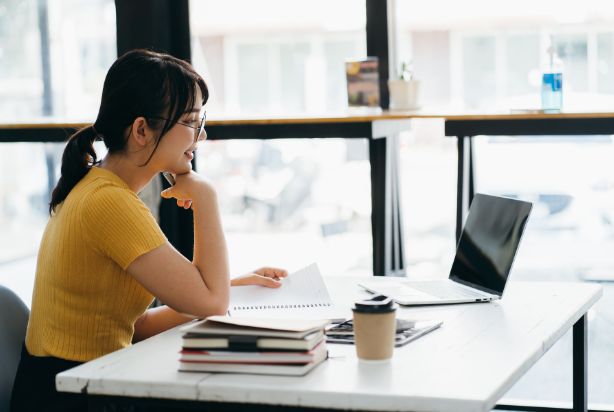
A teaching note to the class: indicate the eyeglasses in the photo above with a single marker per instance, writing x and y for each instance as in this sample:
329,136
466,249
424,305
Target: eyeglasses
197,129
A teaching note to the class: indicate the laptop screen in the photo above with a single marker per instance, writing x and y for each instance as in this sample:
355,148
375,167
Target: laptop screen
489,241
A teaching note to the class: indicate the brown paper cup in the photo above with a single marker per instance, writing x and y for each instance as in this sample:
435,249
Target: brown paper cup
374,334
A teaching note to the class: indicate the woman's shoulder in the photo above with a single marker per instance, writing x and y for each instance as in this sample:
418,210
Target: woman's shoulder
99,183
98,177
109,196
104,196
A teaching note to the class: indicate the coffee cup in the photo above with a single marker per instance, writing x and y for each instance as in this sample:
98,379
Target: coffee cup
374,328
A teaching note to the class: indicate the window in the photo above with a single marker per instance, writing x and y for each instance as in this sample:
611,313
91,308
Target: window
478,68
65,85
605,62
486,56
280,199
24,203
287,57
569,237
53,63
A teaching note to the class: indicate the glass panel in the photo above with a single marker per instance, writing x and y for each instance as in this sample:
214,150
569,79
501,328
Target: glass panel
253,76
489,56
51,61
21,85
569,237
280,199
605,63
522,63
428,199
294,63
479,83
28,172
282,205
284,57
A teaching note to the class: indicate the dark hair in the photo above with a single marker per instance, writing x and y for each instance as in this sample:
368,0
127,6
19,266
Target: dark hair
141,83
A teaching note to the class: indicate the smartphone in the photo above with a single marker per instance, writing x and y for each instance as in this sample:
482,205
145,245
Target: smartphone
169,178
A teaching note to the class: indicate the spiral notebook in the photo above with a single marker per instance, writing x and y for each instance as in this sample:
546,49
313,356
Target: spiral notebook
302,295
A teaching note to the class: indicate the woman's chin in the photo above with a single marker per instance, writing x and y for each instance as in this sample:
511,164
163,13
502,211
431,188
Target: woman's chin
180,170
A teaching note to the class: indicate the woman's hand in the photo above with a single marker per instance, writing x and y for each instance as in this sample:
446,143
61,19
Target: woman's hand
187,187
266,276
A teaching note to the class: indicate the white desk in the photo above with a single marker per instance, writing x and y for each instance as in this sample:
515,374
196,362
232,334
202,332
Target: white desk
467,365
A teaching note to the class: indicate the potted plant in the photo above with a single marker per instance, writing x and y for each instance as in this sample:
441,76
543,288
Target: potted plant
404,90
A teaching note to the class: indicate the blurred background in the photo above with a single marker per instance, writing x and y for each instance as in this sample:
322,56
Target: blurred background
280,199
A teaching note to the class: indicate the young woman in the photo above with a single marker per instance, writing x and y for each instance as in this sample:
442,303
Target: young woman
103,258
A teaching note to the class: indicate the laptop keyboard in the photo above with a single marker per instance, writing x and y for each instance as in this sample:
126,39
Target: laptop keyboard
445,290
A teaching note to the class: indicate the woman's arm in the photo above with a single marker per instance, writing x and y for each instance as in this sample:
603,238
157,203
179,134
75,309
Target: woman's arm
201,287
157,320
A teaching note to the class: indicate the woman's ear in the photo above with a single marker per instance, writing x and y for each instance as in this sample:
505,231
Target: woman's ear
141,132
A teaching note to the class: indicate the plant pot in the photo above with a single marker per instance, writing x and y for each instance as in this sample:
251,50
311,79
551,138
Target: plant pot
404,94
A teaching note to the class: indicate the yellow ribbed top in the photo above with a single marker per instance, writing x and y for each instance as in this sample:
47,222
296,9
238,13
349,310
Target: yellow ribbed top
84,303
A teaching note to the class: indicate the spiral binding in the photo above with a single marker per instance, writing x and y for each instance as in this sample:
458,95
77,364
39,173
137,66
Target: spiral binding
291,306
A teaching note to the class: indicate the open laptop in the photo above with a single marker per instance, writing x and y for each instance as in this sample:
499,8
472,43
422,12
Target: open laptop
483,259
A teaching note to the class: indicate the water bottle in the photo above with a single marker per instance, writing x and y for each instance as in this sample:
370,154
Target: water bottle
552,82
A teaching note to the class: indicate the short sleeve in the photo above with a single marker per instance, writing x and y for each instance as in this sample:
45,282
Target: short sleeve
118,224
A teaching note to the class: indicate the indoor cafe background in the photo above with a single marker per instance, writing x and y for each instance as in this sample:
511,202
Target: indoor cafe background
293,203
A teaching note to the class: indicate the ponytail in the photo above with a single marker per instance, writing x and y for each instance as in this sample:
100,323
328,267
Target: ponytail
78,158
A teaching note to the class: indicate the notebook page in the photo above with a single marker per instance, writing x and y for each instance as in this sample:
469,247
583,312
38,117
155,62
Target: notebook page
303,295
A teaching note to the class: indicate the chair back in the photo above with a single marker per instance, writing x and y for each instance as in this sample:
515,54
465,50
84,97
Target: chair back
13,322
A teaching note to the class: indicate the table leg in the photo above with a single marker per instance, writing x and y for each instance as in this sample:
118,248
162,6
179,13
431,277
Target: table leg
386,222
460,144
580,365
465,189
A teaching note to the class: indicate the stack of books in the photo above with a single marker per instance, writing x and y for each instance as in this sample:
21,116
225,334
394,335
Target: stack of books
249,345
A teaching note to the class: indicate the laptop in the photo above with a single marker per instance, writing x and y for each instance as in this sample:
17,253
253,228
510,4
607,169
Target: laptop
483,259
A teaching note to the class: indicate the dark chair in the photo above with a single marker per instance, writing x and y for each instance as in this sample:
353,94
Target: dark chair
13,322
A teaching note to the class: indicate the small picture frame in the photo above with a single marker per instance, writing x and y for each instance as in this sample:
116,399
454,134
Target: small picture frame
362,82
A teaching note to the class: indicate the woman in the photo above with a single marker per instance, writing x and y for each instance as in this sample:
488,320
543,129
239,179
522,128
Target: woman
103,257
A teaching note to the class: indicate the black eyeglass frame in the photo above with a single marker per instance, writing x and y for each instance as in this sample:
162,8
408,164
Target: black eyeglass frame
197,130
